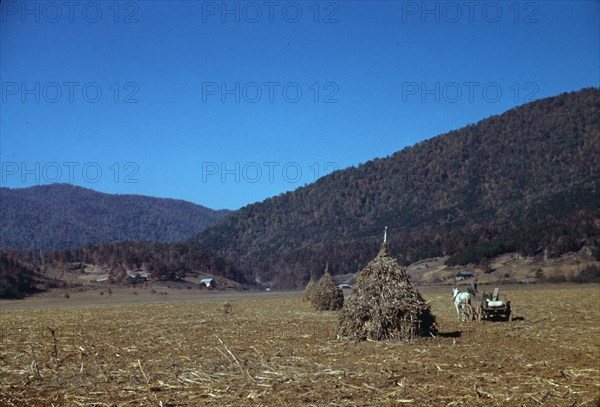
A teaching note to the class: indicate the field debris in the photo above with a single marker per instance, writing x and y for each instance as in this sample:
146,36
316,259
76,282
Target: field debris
277,350
384,305
227,308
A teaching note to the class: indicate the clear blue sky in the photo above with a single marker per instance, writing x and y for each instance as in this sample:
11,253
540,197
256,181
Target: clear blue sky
225,106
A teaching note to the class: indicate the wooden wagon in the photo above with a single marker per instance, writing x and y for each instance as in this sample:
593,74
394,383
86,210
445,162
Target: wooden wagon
494,306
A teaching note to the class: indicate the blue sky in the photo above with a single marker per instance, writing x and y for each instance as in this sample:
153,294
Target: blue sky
225,104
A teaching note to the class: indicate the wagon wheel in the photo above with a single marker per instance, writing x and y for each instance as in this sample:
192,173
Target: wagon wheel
471,312
479,312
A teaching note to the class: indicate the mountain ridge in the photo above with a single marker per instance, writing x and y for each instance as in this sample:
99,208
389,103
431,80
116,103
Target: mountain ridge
60,216
524,180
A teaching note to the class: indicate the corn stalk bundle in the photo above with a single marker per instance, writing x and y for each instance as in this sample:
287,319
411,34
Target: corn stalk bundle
327,295
309,291
384,305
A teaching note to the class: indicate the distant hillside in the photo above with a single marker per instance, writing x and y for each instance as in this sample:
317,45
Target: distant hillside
29,272
64,216
16,279
527,180
164,261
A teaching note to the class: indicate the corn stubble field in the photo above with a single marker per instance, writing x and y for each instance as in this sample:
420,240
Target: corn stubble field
275,350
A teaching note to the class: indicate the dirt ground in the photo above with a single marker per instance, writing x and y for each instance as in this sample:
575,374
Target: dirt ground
272,349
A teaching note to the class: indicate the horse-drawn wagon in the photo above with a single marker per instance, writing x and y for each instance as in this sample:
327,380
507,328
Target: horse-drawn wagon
494,306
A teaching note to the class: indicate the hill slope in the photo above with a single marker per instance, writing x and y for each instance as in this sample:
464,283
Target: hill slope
64,216
16,279
527,180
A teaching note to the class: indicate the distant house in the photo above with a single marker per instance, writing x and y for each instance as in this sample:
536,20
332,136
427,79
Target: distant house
463,275
139,276
207,282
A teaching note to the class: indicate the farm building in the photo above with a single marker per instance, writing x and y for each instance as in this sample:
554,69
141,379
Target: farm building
384,305
139,276
208,282
463,275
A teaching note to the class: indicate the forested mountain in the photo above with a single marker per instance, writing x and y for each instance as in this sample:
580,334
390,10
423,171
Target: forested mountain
62,216
527,180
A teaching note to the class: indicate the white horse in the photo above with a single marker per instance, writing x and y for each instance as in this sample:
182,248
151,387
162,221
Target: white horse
462,303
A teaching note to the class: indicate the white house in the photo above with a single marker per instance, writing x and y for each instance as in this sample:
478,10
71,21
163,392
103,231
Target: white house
208,282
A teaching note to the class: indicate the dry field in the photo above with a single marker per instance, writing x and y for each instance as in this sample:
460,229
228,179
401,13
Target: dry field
272,349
